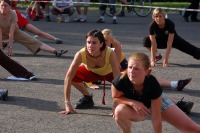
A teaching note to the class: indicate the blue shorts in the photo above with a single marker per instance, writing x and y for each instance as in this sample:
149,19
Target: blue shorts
66,11
166,102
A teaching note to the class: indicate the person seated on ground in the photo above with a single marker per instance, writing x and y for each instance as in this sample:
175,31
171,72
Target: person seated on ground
14,67
162,35
11,32
138,95
117,47
63,7
25,25
81,17
45,4
94,62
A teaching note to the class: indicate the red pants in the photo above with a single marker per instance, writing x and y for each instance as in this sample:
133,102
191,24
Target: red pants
82,74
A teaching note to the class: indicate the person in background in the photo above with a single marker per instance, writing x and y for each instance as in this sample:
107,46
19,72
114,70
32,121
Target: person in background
138,95
25,25
46,5
194,5
11,32
162,35
61,7
102,11
81,17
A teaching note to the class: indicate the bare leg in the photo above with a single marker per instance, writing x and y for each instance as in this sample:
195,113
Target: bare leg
47,8
124,115
78,8
85,10
81,87
174,116
47,48
31,28
164,83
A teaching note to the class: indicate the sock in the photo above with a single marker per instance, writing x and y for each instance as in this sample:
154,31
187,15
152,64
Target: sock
114,17
174,84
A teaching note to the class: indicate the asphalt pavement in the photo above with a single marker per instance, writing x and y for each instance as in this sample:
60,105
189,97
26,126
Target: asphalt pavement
33,106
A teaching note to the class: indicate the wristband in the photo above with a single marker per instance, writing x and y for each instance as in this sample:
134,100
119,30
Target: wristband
67,103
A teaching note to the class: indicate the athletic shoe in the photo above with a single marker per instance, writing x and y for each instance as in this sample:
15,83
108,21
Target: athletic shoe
59,41
82,20
185,106
36,18
60,52
114,21
67,19
48,19
77,19
159,57
3,94
31,76
182,84
85,102
100,21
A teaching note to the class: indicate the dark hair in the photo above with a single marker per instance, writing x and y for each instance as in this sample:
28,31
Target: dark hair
7,1
99,35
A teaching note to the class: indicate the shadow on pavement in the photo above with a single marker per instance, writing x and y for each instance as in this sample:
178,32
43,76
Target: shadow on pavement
32,103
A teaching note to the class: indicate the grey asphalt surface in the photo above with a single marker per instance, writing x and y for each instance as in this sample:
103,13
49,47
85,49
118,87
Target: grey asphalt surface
33,106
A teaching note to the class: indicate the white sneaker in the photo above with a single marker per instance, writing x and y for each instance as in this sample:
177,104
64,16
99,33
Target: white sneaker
67,19
77,19
83,20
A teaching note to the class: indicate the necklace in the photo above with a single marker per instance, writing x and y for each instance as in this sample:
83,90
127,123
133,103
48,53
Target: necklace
95,56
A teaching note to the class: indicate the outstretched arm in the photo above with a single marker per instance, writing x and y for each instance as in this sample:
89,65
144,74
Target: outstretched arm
168,50
68,82
153,49
11,38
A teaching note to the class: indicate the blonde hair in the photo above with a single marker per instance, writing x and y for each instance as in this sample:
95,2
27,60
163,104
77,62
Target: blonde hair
143,58
157,11
108,32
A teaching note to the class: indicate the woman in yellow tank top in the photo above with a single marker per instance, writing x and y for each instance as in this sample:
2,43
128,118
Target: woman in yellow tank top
94,62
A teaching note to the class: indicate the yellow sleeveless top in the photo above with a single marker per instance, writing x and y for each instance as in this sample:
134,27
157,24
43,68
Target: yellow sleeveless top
106,69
